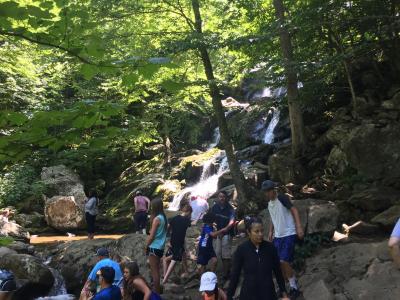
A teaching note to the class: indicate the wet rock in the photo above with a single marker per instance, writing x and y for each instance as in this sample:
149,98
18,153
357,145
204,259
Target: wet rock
315,215
29,268
375,198
33,220
389,217
63,213
6,251
22,248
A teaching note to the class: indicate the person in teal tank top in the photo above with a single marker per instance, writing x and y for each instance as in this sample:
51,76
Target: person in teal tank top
156,241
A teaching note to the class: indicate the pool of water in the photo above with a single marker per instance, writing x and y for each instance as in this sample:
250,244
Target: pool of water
35,240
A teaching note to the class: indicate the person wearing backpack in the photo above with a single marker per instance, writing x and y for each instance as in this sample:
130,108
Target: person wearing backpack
284,229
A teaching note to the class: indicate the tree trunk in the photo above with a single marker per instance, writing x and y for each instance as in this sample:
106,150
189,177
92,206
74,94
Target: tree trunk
237,175
295,114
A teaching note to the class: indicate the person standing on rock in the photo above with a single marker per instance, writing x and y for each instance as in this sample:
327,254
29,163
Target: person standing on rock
225,220
284,229
394,244
259,260
103,261
156,241
178,226
200,207
91,211
142,205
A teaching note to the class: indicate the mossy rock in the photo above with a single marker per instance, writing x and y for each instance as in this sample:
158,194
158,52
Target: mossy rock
168,189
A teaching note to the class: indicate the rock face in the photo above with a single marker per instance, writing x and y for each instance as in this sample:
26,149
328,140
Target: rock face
315,215
62,181
75,259
354,271
10,228
65,208
29,268
63,213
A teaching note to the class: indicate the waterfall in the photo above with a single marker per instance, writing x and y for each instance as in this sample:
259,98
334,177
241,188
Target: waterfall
269,132
215,139
59,287
208,183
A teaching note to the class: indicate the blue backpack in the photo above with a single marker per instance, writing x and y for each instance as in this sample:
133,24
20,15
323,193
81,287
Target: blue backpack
7,281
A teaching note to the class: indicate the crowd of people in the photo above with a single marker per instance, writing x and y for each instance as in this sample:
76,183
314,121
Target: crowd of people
259,260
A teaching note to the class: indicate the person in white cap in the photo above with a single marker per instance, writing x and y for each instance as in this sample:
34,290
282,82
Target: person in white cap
209,287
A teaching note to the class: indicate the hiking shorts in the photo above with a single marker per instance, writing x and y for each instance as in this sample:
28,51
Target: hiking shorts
285,247
396,230
156,252
205,255
223,246
140,219
176,252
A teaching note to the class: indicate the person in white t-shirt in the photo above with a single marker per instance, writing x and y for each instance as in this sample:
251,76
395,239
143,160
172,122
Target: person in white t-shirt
199,206
284,229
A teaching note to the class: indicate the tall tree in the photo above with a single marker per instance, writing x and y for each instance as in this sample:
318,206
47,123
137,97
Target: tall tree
295,113
237,175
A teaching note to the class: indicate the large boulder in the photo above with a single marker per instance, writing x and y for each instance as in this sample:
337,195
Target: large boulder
62,181
317,216
351,271
76,259
63,213
12,229
375,198
389,217
28,268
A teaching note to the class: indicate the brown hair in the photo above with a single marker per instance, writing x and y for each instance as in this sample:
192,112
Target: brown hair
134,273
157,208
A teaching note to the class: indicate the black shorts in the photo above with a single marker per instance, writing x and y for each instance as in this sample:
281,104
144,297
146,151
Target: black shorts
176,252
156,252
205,255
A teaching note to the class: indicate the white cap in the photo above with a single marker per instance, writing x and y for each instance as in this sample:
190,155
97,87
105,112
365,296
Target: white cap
208,281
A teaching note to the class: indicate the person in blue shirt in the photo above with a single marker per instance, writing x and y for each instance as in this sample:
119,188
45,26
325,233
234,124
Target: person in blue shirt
108,291
206,253
103,261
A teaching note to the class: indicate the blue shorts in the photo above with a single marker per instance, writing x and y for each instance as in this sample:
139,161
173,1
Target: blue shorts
285,247
205,255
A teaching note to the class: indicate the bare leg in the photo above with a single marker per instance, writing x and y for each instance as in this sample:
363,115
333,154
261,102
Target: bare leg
394,247
200,270
155,272
213,264
184,264
170,268
166,262
287,270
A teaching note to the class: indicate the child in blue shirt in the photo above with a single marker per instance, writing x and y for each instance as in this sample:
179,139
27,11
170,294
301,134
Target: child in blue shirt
206,253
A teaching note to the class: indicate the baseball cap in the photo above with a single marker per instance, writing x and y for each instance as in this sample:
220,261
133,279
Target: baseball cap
102,252
208,282
268,185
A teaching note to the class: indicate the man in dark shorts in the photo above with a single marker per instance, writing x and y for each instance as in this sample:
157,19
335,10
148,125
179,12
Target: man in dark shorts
178,226
206,253
284,229
142,205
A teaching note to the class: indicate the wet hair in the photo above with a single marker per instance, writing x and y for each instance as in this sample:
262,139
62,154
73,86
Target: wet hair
108,274
250,220
157,208
134,273
187,207
209,218
224,192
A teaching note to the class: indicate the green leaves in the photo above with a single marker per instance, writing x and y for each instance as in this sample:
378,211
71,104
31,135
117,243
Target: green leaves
88,71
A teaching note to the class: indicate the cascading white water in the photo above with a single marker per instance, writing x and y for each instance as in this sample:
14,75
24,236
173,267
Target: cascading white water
269,132
215,139
59,287
208,183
